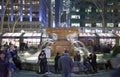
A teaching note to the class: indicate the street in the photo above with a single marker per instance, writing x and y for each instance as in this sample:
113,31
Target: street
34,74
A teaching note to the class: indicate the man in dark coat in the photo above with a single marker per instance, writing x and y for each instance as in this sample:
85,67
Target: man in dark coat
65,64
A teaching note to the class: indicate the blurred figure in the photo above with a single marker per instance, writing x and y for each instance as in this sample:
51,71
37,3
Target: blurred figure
77,60
3,65
93,61
65,64
86,62
108,65
56,62
77,57
42,61
11,67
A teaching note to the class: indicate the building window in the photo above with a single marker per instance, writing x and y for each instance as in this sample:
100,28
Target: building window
98,10
118,24
75,16
77,10
110,3
110,10
98,24
89,9
75,24
88,25
110,24
88,30
98,30
35,2
0,7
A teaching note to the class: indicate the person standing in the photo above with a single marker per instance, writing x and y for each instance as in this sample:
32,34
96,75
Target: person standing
56,62
86,63
3,65
93,61
42,61
65,64
11,67
77,57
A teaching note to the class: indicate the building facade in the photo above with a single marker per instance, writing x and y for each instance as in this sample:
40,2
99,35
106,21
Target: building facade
28,15
91,16
95,15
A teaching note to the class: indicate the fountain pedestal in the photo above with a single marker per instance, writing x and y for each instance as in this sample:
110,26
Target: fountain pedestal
61,43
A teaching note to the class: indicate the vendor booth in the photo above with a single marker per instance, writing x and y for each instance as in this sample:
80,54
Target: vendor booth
107,38
118,38
13,38
87,38
33,39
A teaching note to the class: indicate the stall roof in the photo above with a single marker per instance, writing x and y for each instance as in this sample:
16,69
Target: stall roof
31,34
87,35
106,35
12,34
118,34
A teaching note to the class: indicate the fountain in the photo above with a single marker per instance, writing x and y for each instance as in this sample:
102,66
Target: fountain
64,41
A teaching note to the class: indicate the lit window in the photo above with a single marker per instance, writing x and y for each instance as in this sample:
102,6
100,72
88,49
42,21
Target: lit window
75,16
98,10
110,10
75,24
88,30
0,7
110,24
98,30
89,9
110,3
98,24
88,25
118,24
77,10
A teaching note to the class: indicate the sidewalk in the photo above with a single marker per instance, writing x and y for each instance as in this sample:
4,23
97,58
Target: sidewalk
34,74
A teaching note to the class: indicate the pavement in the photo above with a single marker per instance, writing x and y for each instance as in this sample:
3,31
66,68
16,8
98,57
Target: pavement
25,73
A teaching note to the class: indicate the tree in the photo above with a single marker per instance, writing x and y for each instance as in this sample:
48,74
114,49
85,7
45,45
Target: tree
11,27
4,6
100,5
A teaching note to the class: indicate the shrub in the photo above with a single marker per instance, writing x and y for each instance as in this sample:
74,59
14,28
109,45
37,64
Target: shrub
116,50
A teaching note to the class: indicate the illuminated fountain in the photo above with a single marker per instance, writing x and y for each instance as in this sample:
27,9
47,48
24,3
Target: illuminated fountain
66,39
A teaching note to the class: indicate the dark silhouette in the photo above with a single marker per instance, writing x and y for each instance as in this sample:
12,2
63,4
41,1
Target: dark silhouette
43,62
3,65
93,62
56,62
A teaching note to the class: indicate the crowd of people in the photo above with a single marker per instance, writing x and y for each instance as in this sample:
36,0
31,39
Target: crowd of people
63,63
9,60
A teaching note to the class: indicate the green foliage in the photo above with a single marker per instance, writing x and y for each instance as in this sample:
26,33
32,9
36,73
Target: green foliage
34,48
116,50
90,48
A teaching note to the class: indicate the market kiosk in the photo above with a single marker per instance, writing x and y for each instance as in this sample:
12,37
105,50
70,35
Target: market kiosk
87,38
118,38
33,39
107,38
13,38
